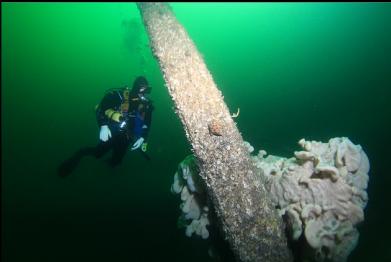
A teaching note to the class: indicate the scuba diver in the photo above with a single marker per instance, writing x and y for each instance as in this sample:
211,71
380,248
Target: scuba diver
124,116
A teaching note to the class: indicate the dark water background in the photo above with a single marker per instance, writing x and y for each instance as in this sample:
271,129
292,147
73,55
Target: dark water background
295,70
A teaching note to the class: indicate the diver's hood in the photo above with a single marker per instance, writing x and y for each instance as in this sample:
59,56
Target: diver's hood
141,85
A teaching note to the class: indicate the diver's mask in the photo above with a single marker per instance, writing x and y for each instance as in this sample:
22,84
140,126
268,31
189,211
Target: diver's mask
143,91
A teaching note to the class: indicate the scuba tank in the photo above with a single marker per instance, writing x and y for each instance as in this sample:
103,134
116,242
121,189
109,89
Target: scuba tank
117,113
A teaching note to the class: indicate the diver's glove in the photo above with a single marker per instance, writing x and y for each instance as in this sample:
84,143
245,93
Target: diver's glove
105,133
138,143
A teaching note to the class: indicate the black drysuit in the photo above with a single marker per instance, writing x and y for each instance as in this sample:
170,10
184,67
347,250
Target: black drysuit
134,122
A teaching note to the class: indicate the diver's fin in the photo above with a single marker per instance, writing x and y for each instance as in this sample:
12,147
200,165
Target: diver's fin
68,166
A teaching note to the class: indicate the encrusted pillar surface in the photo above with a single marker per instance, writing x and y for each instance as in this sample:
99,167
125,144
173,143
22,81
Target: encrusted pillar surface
248,219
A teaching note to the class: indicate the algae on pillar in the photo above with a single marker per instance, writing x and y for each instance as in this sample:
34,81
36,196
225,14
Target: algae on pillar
247,217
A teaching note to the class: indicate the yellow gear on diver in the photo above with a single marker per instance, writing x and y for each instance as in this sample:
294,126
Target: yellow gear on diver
125,104
144,147
113,115
126,94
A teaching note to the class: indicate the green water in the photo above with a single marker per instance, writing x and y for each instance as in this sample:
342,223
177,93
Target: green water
295,70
